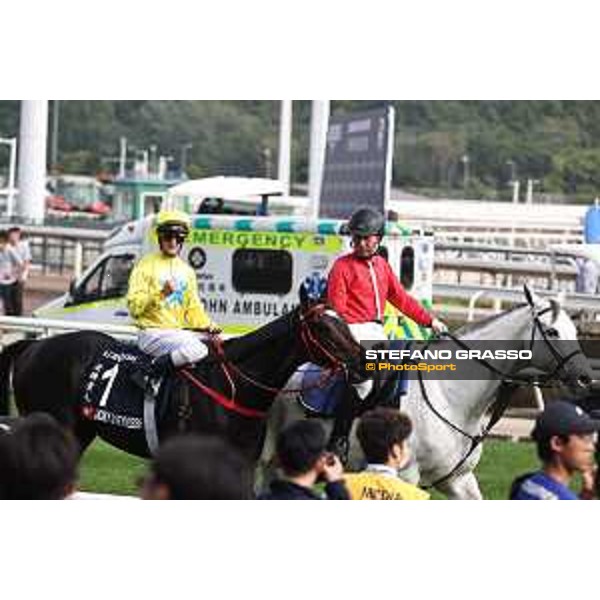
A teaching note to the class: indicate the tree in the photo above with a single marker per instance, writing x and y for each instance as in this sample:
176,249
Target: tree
554,141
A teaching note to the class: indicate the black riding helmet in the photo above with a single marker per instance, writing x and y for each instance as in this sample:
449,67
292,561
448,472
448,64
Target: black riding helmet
366,221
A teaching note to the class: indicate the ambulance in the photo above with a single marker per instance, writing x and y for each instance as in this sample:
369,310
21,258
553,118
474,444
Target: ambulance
249,269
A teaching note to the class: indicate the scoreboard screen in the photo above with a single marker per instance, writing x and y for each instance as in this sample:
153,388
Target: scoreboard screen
358,162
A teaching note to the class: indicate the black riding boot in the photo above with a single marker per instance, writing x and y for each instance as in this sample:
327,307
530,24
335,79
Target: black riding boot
344,417
158,367
161,366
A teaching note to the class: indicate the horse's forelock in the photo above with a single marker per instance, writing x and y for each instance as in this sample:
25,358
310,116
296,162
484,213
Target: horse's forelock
331,313
341,334
543,310
335,328
558,320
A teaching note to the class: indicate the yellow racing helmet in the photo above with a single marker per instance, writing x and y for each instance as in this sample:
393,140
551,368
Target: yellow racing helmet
174,222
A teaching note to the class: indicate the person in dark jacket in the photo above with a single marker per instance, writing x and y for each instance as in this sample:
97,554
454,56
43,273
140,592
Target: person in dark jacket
304,460
565,437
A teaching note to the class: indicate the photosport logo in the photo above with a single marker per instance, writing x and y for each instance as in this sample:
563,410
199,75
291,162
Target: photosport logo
445,359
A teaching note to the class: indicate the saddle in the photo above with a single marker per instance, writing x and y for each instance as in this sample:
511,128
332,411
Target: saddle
336,399
321,397
126,414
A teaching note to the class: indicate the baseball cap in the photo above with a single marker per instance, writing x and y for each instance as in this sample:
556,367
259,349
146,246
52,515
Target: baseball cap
563,418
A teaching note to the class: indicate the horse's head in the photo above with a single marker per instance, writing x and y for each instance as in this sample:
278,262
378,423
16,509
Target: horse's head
326,336
554,344
328,341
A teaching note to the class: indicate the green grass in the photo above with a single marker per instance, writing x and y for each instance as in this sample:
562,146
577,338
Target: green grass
501,462
107,470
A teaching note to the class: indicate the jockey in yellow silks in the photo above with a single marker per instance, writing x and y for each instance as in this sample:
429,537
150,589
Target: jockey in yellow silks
163,299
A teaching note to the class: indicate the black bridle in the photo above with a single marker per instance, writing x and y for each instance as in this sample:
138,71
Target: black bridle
315,350
502,401
561,360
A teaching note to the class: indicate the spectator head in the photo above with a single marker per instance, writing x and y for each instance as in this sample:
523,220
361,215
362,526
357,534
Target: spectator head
39,460
3,237
193,467
565,434
393,216
300,447
382,434
14,235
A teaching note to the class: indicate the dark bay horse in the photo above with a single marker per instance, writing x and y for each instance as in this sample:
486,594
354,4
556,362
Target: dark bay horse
245,373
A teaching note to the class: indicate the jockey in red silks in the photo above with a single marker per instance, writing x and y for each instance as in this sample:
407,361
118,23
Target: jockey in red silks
360,283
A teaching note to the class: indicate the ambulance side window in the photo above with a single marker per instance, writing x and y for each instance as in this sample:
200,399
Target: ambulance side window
115,278
407,267
262,271
90,289
108,280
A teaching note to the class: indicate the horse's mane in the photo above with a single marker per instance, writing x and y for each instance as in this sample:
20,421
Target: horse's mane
477,325
236,348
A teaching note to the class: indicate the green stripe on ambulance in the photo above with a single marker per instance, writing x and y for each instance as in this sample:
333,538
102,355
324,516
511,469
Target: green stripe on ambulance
268,240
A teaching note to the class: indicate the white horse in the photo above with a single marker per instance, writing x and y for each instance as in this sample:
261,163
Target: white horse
443,453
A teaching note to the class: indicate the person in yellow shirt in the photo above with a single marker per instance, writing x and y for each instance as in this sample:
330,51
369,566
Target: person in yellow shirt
163,300
383,434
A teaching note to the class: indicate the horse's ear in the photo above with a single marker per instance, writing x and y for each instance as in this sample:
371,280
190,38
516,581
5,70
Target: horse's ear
530,296
556,307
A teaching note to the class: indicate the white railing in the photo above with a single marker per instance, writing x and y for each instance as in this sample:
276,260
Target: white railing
49,327
528,225
529,237
473,293
64,248
12,328
71,233
485,210
552,268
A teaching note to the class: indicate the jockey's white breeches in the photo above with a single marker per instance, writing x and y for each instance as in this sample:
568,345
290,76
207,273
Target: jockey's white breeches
367,331
364,332
184,346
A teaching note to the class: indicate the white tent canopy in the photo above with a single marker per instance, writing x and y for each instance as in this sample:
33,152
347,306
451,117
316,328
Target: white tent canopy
237,192
228,188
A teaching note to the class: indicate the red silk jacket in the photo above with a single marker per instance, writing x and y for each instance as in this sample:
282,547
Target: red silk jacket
350,291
